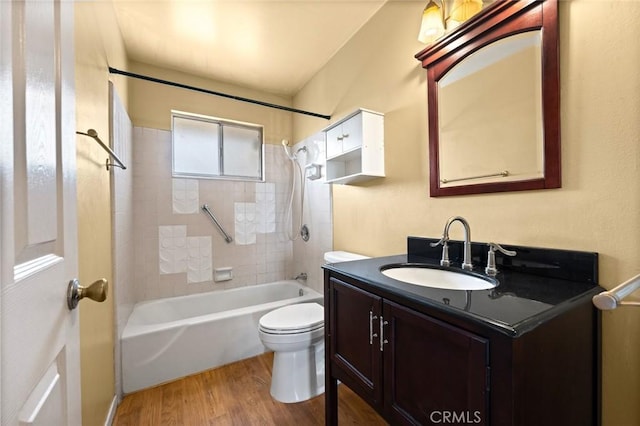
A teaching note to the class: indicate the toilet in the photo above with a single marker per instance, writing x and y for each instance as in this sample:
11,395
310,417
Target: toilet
295,333
342,256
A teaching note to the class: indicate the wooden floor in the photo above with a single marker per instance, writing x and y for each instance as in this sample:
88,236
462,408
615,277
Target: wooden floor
235,394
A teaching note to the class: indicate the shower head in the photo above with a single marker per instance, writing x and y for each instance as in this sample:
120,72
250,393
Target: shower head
287,151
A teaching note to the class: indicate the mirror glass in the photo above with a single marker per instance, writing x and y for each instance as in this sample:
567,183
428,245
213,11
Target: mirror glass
490,120
494,101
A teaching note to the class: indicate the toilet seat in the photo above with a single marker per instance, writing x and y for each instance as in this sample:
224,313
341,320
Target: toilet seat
293,319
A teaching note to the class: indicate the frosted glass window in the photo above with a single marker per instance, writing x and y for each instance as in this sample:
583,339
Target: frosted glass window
208,147
241,151
196,147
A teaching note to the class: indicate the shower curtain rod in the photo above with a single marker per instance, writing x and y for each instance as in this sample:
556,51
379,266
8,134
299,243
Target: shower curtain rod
211,92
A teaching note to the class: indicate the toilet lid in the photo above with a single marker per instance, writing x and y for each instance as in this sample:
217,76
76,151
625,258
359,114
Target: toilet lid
300,317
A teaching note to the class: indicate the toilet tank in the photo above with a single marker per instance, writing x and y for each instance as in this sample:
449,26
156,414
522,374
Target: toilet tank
342,256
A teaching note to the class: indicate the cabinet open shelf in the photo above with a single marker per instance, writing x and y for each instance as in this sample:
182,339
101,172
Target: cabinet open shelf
347,168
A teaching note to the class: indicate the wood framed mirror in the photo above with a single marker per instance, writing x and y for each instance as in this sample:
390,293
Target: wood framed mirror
494,101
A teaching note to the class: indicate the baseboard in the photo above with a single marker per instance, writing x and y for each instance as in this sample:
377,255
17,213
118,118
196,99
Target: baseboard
112,411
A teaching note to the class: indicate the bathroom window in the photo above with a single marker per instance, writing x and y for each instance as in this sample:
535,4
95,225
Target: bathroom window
213,148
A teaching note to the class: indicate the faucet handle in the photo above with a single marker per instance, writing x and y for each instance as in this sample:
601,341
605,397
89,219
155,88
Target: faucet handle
443,241
445,250
495,246
491,269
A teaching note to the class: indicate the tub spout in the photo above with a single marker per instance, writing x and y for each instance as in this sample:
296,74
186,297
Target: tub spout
301,276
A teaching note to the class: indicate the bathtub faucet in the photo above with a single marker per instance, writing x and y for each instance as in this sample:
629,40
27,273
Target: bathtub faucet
301,276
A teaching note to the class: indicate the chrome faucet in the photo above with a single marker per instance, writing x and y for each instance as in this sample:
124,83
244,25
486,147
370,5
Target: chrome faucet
466,262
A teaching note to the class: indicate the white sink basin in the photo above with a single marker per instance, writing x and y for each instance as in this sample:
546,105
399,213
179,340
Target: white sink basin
436,278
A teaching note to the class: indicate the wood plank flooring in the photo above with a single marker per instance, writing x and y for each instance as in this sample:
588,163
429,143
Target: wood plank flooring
235,394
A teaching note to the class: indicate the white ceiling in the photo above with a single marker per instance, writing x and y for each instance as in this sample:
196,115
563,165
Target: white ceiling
270,45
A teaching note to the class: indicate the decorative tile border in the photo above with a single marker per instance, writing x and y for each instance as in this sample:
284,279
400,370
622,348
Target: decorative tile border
173,249
185,196
266,208
199,259
245,223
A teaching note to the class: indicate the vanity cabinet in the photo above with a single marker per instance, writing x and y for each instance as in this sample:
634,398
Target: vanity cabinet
410,367
355,148
417,364
431,368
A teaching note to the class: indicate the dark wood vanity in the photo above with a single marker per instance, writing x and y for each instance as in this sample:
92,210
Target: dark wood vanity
524,353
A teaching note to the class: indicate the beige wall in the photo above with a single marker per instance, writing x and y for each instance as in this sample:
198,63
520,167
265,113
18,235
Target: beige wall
598,207
150,104
98,45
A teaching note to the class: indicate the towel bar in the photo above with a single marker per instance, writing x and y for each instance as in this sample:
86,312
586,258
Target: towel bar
611,299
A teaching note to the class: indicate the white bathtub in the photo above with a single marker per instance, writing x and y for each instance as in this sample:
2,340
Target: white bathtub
166,339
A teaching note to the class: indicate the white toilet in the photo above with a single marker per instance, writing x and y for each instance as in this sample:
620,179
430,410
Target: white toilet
342,256
295,333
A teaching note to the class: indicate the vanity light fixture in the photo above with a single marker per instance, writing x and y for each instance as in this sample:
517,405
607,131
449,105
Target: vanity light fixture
465,9
432,26
435,20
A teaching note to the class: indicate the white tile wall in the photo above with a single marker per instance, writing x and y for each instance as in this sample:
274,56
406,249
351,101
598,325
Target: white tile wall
172,249
266,208
199,260
246,223
309,256
251,212
123,288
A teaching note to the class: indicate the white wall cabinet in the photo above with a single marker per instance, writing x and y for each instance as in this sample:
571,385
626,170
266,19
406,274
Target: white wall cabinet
355,148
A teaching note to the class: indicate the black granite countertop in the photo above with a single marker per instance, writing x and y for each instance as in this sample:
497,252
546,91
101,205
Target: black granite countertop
532,288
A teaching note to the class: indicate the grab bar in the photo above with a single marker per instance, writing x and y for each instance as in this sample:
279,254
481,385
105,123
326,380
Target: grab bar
611,299
94,135
503,173
227,238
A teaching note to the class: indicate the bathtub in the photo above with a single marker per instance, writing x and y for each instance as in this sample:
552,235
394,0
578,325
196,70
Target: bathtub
166,339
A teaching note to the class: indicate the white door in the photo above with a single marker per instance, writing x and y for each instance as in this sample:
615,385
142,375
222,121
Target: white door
39,346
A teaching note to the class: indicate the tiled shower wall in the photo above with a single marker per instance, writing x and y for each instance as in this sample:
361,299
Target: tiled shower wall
123,288
178,249
308,256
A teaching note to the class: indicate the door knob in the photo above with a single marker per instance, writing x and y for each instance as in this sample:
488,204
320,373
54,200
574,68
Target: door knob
96,291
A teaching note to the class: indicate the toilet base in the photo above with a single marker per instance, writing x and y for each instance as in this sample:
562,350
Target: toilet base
299,375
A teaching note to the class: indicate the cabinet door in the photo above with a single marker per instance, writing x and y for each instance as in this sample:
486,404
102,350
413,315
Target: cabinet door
354,345
334,139
352,133
433,372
